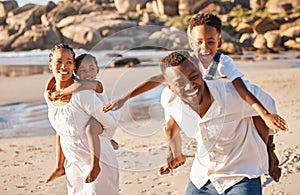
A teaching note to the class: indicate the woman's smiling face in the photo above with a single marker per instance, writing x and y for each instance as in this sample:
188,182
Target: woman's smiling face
62,64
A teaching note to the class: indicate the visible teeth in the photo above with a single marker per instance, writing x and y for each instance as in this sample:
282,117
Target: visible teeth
192,92
64,72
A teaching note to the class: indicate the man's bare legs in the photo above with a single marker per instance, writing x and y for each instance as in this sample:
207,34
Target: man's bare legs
263,131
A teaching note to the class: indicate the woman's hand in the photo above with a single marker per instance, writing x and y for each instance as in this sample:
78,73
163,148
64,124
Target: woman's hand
58,172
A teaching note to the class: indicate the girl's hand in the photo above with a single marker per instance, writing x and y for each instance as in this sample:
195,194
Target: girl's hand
275,122
54,95
58,172
93,174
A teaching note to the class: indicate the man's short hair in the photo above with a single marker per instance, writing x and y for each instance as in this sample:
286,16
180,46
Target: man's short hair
205,18
173,59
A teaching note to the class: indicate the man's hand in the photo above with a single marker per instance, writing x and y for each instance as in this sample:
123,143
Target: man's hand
114,104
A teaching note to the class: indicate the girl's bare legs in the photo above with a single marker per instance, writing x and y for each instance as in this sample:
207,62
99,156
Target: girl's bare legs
93,130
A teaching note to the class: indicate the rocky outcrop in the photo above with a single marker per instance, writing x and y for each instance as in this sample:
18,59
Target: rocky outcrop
133,24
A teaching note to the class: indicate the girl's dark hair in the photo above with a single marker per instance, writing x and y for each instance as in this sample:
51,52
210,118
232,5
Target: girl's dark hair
79,59
205,18
60,46
173,59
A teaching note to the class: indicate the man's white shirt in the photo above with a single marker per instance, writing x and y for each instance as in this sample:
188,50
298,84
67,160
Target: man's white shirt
229,147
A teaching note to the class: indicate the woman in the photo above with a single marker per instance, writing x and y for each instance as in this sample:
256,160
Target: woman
69,115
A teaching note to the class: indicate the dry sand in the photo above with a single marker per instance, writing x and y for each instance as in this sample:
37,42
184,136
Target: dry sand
26,162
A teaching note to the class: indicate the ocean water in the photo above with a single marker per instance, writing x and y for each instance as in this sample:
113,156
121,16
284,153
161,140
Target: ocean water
104,57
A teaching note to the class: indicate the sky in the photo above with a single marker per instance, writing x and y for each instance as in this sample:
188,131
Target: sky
41,2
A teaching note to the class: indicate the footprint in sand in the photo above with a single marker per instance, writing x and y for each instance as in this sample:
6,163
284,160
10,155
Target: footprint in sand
291,162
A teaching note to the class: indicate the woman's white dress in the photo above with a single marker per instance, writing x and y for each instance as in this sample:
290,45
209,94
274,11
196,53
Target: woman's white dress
69,121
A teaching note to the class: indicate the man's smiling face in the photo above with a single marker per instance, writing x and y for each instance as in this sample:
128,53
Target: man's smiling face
185,80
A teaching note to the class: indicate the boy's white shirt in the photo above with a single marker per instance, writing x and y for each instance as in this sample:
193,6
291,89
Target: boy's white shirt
225,68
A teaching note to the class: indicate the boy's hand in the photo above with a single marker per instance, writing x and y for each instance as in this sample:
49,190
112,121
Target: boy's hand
93,174
114,104
58,172
275,122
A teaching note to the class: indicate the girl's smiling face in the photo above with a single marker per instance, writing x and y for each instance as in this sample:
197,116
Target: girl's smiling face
87,70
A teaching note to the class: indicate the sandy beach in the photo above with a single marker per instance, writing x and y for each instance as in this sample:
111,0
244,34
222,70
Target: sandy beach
27,161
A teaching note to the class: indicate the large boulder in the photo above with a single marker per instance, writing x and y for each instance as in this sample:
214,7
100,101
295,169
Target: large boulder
80,36
168,38
230,48
265,24
287,25
260,42
273,39
62,10
292,32
185,7
244,27
24,17
200,5
246,41
38,36
257,4
6,6
279,6
124,6
168,7
292,44
110,23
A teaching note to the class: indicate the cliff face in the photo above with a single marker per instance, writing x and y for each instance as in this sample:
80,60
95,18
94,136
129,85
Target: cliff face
264,26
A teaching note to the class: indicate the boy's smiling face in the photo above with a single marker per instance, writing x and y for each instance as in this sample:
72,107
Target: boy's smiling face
205,41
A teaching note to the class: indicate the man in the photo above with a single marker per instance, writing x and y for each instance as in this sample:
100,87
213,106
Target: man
230,156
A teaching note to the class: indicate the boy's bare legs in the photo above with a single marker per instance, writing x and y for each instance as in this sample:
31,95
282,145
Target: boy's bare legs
175,157
93,129
263,131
